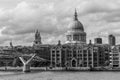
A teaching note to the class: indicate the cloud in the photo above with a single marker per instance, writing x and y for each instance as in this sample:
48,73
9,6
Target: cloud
25,18
52,18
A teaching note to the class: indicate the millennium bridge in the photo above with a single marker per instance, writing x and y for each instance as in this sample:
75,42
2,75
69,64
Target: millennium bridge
10,56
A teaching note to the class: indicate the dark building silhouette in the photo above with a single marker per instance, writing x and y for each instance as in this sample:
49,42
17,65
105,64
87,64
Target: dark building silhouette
98,40
111,39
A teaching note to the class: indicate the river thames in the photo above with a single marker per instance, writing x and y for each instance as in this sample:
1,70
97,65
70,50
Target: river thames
60,76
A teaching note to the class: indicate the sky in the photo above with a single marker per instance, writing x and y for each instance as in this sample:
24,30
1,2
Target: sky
20,18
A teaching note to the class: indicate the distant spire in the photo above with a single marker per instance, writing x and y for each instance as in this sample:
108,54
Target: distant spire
75,15
39,35
59,42
90,42
37,40
11,45
36,34
37,31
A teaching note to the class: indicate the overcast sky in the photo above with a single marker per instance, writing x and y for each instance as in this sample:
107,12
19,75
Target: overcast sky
20,18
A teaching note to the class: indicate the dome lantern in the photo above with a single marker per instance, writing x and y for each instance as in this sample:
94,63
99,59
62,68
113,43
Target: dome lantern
75,15
76,24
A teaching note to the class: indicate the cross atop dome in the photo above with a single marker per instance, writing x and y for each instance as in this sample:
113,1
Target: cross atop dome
75,15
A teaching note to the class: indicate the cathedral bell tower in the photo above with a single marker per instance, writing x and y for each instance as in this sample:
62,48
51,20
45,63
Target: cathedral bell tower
37,40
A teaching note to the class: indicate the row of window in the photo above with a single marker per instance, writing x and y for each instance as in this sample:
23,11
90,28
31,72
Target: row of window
53,58
75,51
55,51
114,54
53,55
76,37
80,55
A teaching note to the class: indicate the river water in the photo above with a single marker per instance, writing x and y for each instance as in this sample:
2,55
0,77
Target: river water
61,76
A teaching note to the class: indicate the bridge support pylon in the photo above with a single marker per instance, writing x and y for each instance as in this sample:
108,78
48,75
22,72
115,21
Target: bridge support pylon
26,64
26,68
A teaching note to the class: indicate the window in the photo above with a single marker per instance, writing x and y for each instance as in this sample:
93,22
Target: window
90,58
58,51
76,37
95,54
115,54
115,58
115,62
69,55
58,55
80,51
84,51
53,59
53,55
85,58
90,62
80,55
68,37
58,59
74,51
90,54
95,59
53,51
85,54
115,65
95,65
89,51
74,55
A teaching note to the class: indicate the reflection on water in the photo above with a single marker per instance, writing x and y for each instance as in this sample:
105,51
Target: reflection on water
64,76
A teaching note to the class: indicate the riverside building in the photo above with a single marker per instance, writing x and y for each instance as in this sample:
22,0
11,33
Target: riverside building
115,56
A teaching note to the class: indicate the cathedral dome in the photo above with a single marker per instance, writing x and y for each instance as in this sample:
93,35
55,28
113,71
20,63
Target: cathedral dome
76,24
